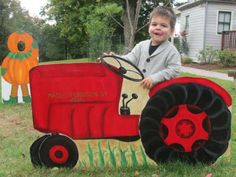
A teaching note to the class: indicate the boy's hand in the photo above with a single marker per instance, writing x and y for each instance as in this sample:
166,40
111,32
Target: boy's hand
147,83
109,54
98,60
106,54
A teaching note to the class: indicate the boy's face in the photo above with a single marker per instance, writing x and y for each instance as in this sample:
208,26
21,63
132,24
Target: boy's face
159,29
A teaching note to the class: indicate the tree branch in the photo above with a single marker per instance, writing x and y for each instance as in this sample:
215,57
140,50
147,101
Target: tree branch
117,22
138,7
142,27
115,19
129,18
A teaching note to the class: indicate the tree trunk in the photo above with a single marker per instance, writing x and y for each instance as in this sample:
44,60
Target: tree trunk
66,48
130,21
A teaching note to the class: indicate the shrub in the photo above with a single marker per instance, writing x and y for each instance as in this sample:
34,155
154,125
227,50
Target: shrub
184,48
181,44
208,55
186,60
177,43
227,57
184,45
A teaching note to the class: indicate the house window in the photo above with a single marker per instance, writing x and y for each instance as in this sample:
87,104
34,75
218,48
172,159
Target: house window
186,28
224,20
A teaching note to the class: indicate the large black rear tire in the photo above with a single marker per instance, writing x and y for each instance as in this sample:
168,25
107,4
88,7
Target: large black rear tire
188,122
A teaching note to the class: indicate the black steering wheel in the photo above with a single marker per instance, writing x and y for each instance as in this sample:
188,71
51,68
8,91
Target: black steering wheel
122,67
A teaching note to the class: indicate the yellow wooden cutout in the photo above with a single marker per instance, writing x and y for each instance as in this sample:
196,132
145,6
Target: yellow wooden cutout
129,87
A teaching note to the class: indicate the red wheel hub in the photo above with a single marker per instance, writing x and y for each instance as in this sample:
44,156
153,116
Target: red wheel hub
184,127
58,154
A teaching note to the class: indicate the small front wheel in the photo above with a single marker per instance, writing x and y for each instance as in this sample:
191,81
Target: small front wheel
34,151
58,151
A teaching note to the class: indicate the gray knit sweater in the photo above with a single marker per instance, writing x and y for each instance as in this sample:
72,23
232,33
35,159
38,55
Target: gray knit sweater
163,64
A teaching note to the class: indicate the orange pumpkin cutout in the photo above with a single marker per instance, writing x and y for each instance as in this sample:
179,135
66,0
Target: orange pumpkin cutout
16,65
15,40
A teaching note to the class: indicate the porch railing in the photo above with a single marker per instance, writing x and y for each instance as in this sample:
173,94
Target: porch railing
228,40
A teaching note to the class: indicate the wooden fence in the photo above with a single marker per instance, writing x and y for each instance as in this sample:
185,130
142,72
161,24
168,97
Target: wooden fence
228,40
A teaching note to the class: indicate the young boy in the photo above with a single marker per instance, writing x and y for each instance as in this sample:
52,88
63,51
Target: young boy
157,58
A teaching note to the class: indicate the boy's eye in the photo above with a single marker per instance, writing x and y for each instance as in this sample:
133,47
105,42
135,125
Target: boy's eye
162,25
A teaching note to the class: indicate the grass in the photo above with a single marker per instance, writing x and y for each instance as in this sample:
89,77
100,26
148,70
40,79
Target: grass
225,71
109,158
70,61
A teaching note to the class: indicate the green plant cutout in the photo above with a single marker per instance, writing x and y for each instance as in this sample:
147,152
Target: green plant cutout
83,164
144,157
90,155
133,157
111,155
101,155
123,160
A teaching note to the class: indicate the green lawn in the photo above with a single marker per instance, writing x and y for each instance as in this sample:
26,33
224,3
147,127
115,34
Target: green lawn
70,61
17,134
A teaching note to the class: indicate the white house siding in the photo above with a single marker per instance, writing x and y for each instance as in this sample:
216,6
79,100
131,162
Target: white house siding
195,37
212,38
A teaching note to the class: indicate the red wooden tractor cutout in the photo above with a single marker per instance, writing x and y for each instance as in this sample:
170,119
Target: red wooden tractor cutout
185,118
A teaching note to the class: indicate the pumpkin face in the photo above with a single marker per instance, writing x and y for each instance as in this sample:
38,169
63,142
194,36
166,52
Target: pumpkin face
20,42
22,57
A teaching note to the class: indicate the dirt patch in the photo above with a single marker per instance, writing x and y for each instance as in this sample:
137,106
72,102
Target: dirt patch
13,124
5,125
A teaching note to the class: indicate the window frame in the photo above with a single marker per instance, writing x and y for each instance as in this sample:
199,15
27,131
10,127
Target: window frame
224,22
186,26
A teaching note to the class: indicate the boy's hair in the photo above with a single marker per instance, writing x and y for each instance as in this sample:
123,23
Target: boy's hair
166,12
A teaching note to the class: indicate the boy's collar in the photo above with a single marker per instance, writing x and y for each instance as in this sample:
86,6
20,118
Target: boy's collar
161,47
